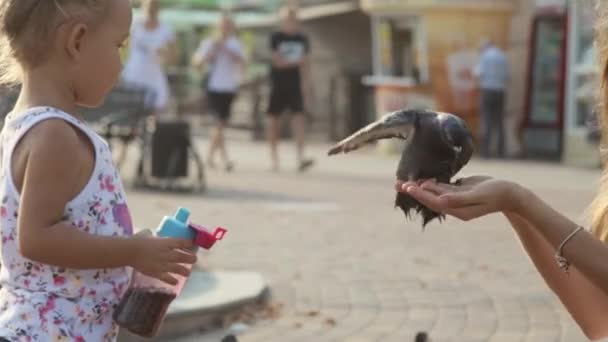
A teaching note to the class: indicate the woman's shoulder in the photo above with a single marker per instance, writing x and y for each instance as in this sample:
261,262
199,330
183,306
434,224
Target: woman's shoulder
137,25
165,28
235,39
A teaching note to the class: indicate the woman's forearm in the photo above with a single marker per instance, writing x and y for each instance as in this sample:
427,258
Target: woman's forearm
539,250
589,254
587,304
586,253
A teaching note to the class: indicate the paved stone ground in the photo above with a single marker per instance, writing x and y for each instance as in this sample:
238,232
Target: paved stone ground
346,266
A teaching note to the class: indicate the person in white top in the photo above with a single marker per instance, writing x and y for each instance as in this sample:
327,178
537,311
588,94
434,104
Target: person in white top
152,43
225,59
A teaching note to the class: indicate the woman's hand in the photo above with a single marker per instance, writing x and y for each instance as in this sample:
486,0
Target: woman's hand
474,196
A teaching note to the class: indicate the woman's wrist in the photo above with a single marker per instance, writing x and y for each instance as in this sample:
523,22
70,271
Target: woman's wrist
516,198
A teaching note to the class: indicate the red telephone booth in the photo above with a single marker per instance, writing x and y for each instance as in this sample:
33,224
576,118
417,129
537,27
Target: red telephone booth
542,130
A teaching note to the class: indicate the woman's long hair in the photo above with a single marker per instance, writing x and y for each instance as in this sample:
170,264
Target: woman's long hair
598,210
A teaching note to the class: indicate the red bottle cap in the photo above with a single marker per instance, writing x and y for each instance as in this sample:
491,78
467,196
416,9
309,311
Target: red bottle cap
205,238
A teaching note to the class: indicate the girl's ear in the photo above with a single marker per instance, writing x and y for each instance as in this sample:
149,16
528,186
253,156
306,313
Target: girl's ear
74,41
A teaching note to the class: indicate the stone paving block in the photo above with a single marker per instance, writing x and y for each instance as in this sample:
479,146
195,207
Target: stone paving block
387,323
331,239
450,322
508,337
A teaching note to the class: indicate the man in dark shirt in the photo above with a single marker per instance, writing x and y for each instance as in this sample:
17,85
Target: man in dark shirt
289,85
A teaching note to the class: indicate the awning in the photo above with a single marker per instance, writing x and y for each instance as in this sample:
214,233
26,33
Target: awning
237,5
188,13
390,6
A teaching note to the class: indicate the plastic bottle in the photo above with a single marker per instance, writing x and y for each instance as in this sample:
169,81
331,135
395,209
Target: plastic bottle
144,305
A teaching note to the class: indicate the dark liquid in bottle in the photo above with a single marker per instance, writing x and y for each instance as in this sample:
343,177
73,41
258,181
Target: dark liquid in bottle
141,310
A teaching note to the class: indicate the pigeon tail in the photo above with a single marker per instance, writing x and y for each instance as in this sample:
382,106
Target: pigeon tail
407,203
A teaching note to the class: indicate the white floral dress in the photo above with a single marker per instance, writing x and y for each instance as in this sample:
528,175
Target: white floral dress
40,302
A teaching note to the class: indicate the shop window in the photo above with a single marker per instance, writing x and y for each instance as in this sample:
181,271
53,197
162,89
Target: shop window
401,48
585,68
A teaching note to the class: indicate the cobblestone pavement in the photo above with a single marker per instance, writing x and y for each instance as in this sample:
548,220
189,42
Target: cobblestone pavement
346,266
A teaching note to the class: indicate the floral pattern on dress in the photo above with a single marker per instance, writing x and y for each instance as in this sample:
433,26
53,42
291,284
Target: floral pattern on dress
40,302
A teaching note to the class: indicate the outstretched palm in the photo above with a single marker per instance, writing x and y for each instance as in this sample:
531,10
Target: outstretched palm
473,197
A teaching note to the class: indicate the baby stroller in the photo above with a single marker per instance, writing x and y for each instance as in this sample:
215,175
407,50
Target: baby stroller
164,145
166,149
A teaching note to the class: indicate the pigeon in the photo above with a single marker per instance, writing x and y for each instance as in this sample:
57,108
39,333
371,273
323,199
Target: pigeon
229,338
438,146
422,337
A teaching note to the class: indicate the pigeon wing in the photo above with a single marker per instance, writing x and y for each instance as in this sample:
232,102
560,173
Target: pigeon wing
398,124
458,136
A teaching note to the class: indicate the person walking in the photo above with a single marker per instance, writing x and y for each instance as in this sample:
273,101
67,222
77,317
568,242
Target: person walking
225,58
290,85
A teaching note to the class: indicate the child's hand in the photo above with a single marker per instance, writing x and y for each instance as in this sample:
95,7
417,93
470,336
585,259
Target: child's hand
474,197
160,257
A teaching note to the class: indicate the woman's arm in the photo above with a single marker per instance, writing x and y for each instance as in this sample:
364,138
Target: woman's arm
234,49
206,53
587,304
542,230
168,53
589,254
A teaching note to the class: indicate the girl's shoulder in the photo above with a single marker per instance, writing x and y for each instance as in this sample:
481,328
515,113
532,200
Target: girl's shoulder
47,126
24,118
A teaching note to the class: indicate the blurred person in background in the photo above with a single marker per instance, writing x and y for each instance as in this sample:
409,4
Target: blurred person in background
492,74
152,44
225,60
290,84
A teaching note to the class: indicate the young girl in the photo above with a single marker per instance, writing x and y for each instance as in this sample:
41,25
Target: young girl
225,56
554,243
65,225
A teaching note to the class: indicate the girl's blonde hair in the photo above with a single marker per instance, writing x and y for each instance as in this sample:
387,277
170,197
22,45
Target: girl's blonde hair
598,210
27,29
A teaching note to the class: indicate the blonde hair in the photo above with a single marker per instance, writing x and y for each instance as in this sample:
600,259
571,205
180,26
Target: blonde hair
27,29
148,4
226,15
288,8
598,210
